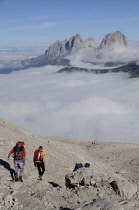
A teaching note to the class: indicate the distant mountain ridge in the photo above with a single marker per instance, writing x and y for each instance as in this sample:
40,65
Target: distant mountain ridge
132,68
57,53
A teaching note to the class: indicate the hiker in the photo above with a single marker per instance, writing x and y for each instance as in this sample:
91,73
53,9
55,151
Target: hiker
19,155
77,166
87,165
80,165
39,161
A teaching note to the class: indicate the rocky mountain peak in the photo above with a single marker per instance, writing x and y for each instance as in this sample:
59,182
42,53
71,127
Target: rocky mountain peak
75,43
90,42
113,40
63,48
59,52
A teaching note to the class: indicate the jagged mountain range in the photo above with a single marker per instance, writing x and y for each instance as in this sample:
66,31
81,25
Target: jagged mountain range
59,52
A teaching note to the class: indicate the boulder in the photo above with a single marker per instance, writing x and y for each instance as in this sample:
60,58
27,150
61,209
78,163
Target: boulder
98,179
82,176
126,189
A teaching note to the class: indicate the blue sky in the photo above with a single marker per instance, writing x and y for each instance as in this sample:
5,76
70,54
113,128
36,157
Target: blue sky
42,22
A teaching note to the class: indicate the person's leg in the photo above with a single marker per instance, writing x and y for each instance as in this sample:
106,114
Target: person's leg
43,169
39,168
21,166
16,166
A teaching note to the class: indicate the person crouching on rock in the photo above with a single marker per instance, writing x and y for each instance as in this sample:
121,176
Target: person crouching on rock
39,161
19,155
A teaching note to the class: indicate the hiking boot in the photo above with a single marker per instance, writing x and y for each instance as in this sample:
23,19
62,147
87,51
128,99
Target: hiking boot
16,177
40,177
20,179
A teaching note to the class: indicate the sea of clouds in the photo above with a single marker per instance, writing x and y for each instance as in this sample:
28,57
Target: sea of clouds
87,106
96,59
10,55
76,105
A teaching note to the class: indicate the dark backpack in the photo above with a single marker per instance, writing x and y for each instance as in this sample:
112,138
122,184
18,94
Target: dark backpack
18,150
77,166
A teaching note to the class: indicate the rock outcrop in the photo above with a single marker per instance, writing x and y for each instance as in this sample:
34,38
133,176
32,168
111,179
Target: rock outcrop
97,178
81,177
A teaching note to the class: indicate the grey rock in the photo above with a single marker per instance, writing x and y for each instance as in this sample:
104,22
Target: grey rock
116,39
63,48
57,52
108,204
127,189
81,177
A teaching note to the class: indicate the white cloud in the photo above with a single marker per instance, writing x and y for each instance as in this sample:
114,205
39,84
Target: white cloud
88,58
45,17
79,105
9,54
47,24
112,20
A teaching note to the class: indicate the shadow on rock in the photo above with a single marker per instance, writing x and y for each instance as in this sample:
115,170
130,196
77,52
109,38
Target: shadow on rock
7,166
54,184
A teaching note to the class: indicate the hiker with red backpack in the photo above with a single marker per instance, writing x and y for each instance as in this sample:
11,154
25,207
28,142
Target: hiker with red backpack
19,155
39,161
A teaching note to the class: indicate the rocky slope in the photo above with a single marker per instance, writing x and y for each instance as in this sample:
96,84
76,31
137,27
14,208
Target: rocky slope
110,162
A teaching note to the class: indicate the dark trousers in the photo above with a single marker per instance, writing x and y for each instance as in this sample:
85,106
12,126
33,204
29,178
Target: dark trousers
40,167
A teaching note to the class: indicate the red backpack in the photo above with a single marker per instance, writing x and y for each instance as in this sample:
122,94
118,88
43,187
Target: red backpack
37,156
20,143
19,150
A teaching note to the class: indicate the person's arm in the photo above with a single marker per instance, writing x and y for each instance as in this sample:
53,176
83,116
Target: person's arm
43,160
24,159
24,156
11,152
34,159
8,158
